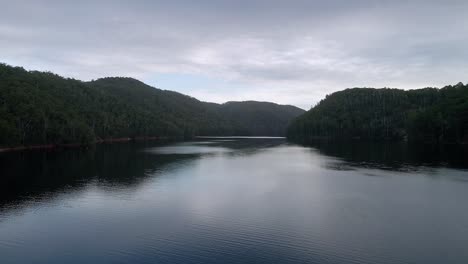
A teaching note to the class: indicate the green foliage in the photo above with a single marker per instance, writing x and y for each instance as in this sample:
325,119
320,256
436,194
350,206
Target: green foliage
44,108
430,115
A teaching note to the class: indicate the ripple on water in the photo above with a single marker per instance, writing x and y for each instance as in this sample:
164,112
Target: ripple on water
187,150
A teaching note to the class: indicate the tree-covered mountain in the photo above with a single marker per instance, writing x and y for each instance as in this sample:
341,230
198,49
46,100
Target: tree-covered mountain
183,115
44,108
259,118
429,114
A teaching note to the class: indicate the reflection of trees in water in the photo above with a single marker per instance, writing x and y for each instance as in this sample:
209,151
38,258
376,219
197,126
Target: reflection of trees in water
391,155
36,175
29,175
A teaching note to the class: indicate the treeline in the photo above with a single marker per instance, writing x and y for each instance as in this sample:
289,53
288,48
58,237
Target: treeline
428,115
43,108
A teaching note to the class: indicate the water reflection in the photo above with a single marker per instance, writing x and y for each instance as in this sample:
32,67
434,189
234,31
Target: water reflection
27,175
391,156
234,201
30,174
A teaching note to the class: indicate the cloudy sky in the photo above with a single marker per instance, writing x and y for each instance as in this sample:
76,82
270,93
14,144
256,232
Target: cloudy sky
289,52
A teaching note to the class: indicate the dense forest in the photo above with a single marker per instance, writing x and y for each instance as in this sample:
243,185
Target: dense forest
427,115
39,108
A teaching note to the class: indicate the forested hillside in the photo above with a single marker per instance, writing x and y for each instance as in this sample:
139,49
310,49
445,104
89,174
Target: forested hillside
44,108
429,115
259,118
181,114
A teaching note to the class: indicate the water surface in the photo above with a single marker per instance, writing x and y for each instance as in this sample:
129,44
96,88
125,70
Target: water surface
235,200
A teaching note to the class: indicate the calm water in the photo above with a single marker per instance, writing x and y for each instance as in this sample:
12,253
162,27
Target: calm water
235,201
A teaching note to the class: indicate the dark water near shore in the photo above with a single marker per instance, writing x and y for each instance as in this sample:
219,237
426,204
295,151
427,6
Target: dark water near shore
235,201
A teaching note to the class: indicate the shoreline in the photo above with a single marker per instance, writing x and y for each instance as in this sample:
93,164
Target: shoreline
78,145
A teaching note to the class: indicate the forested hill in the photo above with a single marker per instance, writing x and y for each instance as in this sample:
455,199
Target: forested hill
430,115
39,108
263,118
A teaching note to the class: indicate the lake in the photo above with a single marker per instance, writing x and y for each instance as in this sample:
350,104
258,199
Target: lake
235,200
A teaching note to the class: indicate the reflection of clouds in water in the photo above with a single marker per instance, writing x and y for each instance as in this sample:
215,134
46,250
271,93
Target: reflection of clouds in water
242,185
271,196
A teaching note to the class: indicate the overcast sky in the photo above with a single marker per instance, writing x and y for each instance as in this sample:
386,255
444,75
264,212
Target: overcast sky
289,52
